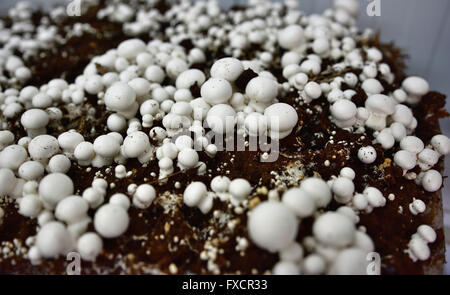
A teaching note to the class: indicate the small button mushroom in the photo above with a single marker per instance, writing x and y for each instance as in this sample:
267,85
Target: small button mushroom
12,157
155,74
55,187
53,240
6,138
194,194
406,160
334,229
313,265
175,67
412,144
363,242
34,121
43,147
386,139
89,245
372,86
72,209
347,172
262,92
293,253
121,200
106,147
120,97
419,249
31,170
416,87
427,233
189,78
398,131
221,119
137,145
59,163
291,37
286,268
129,49
350,261
367,154
220,184
187,158
30,206
403,115
240,189
216,91
432,181
281,119
69,140
343,189
84,153
144,196
427,159
379,106
441,144
374,197
228,68
140,86
318,189
111,221
417,206
272,226
343,110
300,202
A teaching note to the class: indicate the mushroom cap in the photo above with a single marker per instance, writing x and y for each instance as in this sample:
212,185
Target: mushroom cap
380,104
240,188
89,245
216,91
281,117
7,181
53,239
106,146
272,226
228,68
194,193
318,189
261,89
136,144
189,78
131,48
55,187
350,261
34,119
291,37
71,209
70,139
13,156
120,96
334,229
220,118
300,202
416,86
343,110
111,220
43,147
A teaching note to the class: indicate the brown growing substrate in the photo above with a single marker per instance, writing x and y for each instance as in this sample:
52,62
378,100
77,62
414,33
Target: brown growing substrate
142,247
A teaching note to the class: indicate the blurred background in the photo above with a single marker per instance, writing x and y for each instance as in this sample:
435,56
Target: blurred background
420,27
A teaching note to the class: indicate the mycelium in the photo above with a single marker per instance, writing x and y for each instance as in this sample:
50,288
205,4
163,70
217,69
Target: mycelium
162,101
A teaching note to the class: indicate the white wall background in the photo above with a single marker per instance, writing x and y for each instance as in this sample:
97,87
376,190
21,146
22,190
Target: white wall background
421,27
